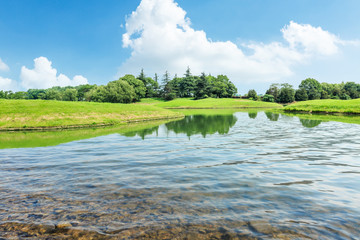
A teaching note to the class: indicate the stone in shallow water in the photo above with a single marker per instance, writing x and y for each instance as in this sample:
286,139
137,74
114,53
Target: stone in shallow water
63,225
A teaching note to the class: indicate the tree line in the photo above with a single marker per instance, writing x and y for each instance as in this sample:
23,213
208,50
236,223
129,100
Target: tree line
129,89
309,89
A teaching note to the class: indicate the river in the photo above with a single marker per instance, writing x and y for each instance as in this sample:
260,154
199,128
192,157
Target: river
250,175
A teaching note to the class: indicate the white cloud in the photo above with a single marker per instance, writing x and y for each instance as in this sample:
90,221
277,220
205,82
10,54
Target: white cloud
161,38
3,66
6,83
313,40
43,75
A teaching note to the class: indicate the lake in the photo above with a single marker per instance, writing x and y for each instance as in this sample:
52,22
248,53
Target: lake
213,175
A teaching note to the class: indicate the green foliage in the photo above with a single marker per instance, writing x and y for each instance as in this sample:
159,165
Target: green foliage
120,91
70,94
287,93
324,94
52,94
268,98
138,87
82,90
344,96
352,89
252,94
301,95
312,87
202,87
97,94
274,90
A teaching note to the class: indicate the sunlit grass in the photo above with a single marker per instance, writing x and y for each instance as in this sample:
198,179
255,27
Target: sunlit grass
216,103
326,106
39,113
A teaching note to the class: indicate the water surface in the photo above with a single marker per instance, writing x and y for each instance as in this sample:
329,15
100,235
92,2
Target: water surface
255,175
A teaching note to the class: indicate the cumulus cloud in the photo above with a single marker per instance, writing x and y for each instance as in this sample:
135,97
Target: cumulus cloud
6,83
161,38
43,75
3,66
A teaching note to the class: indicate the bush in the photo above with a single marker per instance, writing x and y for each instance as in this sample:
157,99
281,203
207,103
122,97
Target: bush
268,98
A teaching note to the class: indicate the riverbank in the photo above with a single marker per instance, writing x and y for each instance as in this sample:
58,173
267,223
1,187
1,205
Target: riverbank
45,114
215,103
328,106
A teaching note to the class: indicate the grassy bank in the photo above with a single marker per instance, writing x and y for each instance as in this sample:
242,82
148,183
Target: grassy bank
326,106
30,114
24,139
214,103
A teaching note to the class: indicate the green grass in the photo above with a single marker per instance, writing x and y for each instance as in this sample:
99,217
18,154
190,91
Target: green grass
326,106
25,114
25,139
151,100
216,103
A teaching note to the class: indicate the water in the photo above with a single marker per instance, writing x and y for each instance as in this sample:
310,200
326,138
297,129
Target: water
249,175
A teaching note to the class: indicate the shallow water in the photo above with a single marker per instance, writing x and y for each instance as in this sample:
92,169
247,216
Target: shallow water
247,175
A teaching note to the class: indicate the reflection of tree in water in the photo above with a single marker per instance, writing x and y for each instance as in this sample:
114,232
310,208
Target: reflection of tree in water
309,123
142,133
203,124
252,115
272,116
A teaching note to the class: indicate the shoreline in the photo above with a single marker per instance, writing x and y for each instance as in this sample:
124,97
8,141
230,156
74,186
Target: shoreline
84,126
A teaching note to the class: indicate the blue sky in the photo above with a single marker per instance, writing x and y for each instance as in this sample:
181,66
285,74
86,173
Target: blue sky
240,38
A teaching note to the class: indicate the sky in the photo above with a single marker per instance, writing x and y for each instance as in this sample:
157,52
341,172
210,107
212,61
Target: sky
254,42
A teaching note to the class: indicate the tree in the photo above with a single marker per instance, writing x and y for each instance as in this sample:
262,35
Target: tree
138,86
70,94
120,91
167,92
351,89
52,94
151,87
142,76
34,93
20,95
97,94
287,93
312,88
252,94
274,90
301,95
82,90
201,87
187,84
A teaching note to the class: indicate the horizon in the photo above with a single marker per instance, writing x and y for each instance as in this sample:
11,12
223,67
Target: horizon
255,44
